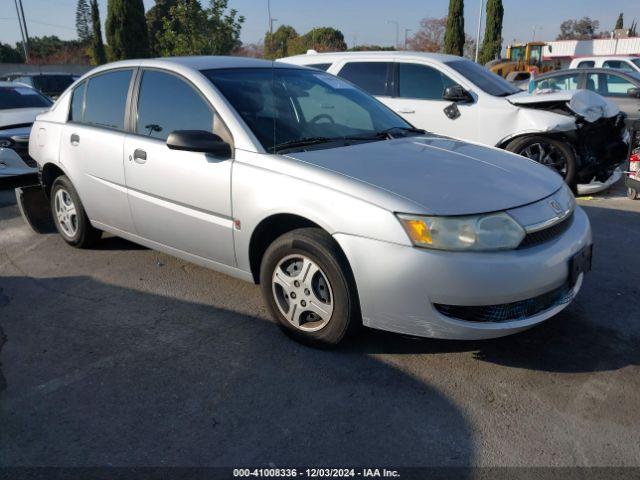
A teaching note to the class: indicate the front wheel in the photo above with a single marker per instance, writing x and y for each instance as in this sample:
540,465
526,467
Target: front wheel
69,215
308,287
632,193
549,152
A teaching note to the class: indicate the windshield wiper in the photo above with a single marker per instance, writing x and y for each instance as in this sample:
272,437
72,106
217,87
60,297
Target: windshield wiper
302,142
386,133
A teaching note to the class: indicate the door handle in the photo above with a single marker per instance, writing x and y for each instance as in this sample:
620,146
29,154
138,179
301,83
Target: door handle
75,139
405,110
140,156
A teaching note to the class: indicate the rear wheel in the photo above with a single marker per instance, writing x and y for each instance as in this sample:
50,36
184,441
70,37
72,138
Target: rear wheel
549,152
632,193
308,286
69,215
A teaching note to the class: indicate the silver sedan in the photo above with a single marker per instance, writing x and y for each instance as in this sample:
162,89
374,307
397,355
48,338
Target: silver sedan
297,180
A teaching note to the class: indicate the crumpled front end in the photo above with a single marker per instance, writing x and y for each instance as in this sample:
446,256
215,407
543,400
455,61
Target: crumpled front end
601,146
600,140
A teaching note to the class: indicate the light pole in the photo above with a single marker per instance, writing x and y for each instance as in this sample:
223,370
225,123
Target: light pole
23,30
406,34
395,22
479,29
533,39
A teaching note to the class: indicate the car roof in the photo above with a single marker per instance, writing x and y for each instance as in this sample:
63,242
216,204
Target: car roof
333,56
199,62
38,74
569,71
606,57
14,84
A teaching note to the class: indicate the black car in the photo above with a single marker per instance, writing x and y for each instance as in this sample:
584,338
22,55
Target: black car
51,84
621,87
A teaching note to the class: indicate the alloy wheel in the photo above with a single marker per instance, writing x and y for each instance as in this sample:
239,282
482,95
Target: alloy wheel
302,293
548,155
66,213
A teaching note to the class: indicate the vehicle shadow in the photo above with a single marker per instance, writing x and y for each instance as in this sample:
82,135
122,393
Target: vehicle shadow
162,381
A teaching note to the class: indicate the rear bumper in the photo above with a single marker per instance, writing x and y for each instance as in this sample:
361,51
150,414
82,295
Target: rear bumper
399,286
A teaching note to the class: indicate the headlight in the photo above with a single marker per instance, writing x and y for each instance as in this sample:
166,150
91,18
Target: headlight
495,231
5,142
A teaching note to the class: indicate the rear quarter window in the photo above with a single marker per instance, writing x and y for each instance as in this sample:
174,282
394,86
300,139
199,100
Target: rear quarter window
106,99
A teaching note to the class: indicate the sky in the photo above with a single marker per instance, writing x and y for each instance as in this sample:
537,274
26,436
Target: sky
361,21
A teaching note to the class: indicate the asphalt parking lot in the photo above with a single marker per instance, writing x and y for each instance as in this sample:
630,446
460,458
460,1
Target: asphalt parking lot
125,356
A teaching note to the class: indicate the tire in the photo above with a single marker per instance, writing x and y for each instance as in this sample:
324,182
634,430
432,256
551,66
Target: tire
69,216
632,193
527,147
322,309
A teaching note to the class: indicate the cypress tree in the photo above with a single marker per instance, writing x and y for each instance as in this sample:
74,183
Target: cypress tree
83,18
620,22
126,30
492,43
454,34
98,55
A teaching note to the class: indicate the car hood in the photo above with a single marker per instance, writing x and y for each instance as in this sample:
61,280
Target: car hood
19,116
584,103
442,175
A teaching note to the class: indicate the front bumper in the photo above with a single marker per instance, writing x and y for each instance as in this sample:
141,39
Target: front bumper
14,172
399,285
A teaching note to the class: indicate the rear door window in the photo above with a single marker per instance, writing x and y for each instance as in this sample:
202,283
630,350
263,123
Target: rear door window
157,117
106,99
615,86
421,81
370,76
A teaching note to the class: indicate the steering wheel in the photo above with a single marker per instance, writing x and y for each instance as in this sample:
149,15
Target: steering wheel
321,116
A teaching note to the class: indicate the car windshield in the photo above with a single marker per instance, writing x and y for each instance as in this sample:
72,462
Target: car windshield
636,61
485,80
290,109
22,97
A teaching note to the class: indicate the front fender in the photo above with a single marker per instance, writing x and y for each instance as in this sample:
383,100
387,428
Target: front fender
259,193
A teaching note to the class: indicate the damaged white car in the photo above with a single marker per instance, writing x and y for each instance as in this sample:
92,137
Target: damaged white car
19,105
579,134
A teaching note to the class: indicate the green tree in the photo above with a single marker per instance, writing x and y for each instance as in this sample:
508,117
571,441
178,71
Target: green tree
8,54
190,29
583,29
277,45
321,39
96,49
454,34
372,48
620,22
155,16
83,19
126,29
492,43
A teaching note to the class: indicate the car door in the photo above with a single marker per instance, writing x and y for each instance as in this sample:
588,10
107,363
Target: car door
92,144
179,199
615,87
418,98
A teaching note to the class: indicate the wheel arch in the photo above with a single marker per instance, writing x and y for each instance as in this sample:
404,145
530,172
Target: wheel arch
272,227
50,171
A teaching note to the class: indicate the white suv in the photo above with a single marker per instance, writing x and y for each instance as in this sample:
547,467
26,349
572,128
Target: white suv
627,64
458,98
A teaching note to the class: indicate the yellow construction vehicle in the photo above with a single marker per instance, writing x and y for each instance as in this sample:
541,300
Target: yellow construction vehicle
522,58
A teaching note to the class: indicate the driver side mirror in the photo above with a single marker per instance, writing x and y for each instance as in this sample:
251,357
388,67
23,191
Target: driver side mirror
633,92
457,94
199,141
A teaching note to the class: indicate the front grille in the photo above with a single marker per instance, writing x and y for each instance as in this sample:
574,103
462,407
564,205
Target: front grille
508,312
546,235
